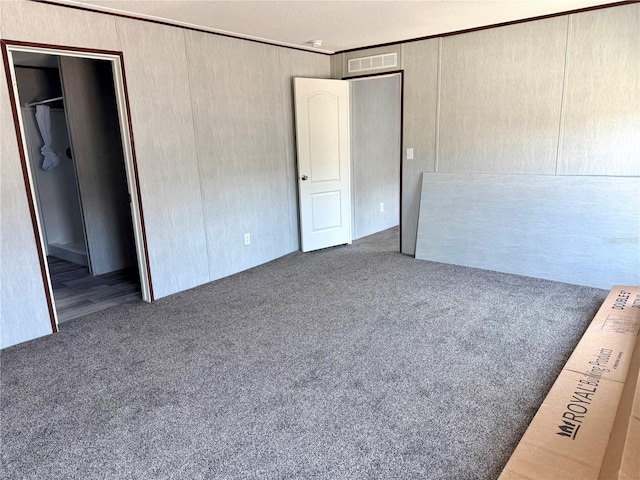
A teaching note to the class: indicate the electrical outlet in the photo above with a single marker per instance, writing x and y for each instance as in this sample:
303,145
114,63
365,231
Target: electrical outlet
381,207
247,238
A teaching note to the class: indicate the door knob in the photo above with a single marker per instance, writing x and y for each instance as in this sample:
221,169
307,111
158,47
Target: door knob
304,177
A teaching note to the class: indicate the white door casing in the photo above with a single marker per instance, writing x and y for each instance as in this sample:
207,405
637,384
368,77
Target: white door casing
324,177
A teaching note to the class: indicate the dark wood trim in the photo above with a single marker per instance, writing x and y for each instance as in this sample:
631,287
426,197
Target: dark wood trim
495,25
170,24
377,74
46,282
401,155
136,176
66,48
380,74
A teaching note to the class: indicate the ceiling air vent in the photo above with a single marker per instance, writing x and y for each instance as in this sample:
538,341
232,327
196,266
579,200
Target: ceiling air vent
387,60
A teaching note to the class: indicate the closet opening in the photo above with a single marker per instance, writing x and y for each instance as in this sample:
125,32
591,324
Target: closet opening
72,121
376,154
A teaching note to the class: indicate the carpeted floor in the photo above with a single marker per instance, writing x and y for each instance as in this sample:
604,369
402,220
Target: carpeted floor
349,363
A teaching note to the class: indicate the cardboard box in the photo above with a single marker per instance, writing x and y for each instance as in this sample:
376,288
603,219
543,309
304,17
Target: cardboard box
588,426
622,459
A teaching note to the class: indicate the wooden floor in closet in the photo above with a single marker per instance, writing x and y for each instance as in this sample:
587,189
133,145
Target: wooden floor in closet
77,293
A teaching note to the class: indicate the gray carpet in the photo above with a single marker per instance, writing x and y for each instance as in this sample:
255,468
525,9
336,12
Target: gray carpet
349,363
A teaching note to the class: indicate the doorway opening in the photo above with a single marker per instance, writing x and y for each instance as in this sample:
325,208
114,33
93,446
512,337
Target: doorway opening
80,174
349,158
376,154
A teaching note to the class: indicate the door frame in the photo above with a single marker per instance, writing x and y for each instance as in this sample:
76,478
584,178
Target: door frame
339,89
131,166
387,74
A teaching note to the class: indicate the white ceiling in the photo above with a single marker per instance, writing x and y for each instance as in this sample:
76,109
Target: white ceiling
341,24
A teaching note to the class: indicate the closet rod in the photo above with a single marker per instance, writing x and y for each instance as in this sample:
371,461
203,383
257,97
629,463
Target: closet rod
43,101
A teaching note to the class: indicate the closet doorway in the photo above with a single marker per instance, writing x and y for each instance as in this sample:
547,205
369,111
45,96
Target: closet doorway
376,154
80,176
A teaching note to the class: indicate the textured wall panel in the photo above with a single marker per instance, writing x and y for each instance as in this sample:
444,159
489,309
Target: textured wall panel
602,120
375,154
294,63
582,230
23,308
158,82
337,65
238,114
420,63
42,23
500,98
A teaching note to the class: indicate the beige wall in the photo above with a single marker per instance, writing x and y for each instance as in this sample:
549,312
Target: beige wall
559,96
215,154
23,307
420,64
163,129
500,98
537,150
600,131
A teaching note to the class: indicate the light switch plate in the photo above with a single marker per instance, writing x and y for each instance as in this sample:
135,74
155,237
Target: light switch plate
409,153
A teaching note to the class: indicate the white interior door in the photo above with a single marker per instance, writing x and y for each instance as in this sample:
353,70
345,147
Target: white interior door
324,183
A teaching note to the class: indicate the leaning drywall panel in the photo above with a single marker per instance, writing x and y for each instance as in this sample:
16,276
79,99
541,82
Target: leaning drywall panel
24,314
375,154
500,98
43,23
160,99
601,130
420,64
294,63
237,110
581,230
